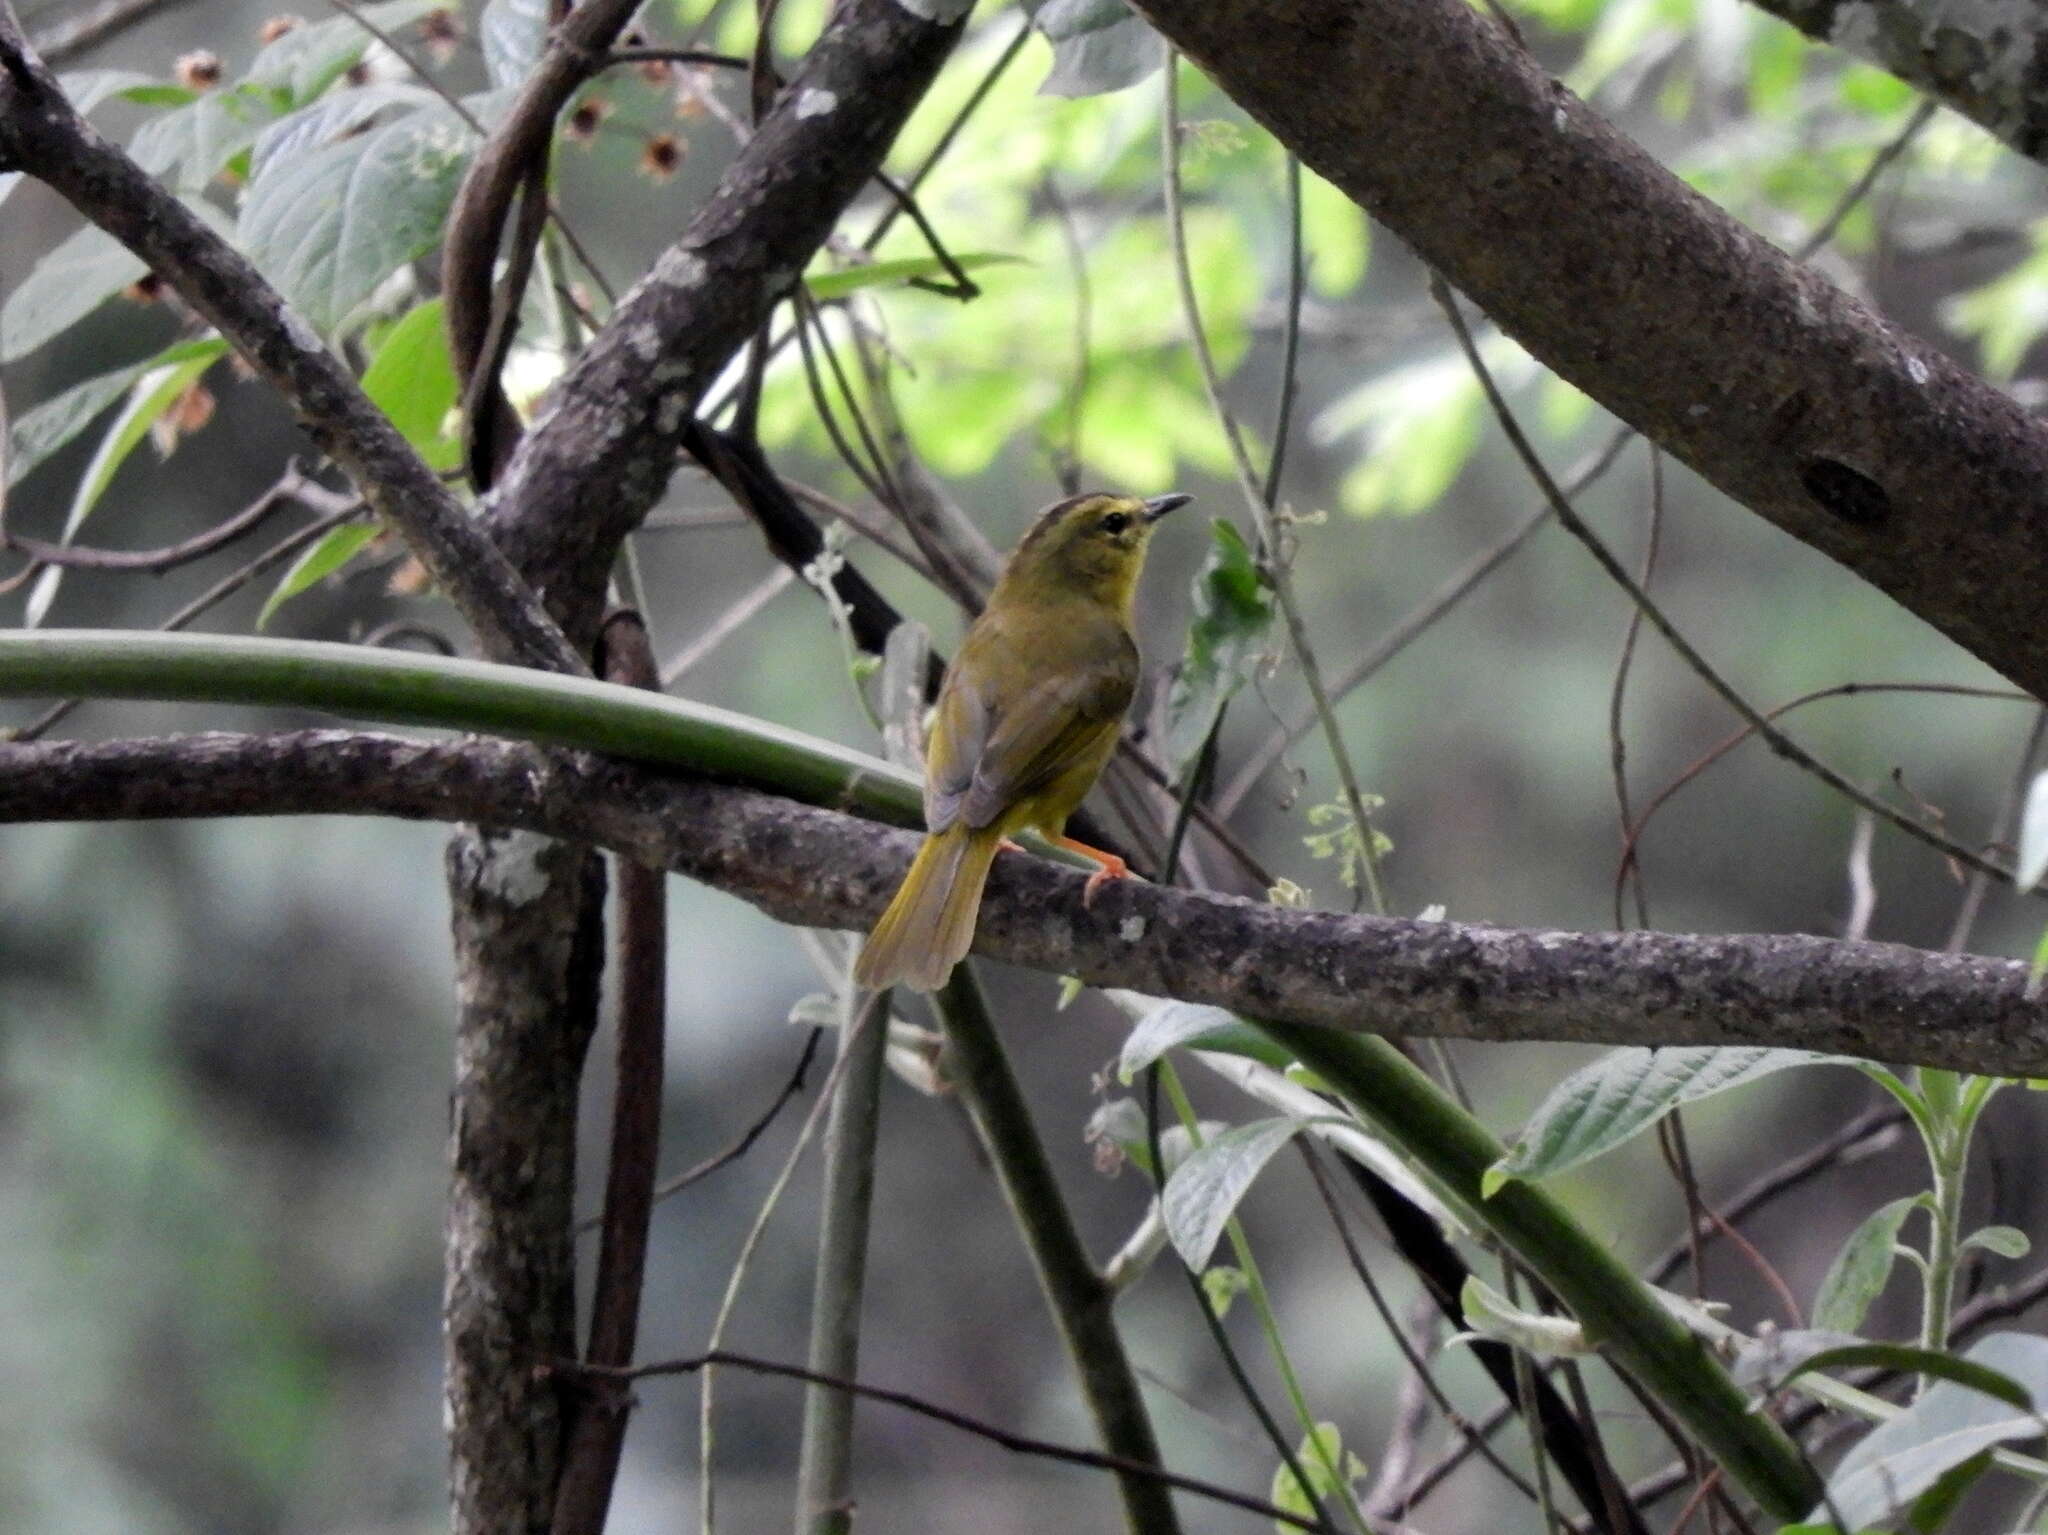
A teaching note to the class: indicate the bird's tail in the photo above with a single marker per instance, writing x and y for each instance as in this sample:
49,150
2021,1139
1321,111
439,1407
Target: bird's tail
929,927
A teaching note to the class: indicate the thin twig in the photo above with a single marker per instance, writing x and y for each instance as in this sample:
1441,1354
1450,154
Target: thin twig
595,1433
1275,555
1577,526
995,1433
168,557
1839,690
69,38
726,624
1617,749
2001,834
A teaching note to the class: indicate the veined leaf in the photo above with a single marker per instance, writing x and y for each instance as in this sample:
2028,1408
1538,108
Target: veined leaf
190,145
1172,1024
329,226
1204,1190
341,545
1624,1093
330,119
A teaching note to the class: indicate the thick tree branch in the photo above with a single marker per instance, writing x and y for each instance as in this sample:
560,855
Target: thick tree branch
821,869
1779,388
1988,62
41,134
617,418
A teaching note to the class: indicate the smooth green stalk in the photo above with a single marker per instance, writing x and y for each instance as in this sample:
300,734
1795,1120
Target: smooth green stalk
1615,1308
824,1483
1953,1105
402,687
1081,1301
1269,1323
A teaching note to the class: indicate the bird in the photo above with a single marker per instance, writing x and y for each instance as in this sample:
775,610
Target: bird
1027,716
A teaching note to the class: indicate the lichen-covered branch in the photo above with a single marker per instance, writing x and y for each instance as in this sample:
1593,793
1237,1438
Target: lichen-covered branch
1771,382
812,866
1988,61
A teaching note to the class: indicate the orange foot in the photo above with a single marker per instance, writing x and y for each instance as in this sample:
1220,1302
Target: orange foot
1109,867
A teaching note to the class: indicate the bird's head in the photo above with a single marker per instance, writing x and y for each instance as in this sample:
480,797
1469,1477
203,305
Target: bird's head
1088,545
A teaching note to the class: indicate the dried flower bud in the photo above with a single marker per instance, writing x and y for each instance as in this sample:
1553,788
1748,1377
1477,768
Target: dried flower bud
188,413
198,70
277,26
441,31
585,119
661,155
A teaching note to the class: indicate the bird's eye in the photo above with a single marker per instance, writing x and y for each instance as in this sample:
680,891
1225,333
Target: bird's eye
1115,523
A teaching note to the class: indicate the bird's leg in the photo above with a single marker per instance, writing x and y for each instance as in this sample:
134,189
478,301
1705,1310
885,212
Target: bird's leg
1108,867
1012,845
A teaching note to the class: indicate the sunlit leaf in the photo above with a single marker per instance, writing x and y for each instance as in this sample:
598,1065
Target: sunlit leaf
1174,1024
1323,1460
328,555
412,380
1490,1314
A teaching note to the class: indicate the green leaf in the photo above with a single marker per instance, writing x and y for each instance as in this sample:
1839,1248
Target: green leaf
1222,1285
513,34
412,380
1931,1510
196,141
311,57
82,273
1967,1373
1233,612
831,285
330,119
1491,1315
1203,1192
1320,1455
1097,46
1627,1091
47,428
152,394
341,545
1902,1458
330,226
2004,1241
1861,1269
1173,1024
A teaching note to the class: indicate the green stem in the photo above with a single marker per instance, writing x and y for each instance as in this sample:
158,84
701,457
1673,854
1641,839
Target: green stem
403,687
824,1481
1081,1300
1947,1136
1615,1308
1269,1323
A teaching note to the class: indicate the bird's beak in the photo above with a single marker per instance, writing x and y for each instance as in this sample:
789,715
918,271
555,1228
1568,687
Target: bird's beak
1159,506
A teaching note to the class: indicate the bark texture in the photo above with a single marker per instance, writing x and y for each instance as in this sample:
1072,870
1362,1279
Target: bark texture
1769,381
815,867
1989,61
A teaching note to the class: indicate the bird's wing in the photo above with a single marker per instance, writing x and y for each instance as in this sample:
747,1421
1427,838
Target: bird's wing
1038,735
